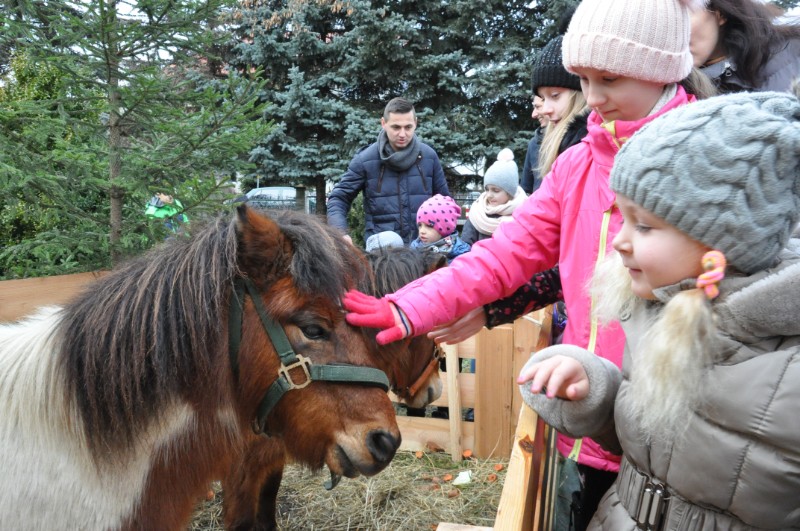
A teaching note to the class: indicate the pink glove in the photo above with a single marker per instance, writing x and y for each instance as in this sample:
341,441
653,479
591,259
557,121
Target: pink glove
365,310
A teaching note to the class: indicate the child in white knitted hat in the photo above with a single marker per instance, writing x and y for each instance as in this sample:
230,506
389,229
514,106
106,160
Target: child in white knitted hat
633,61
437,223
704,409
501,195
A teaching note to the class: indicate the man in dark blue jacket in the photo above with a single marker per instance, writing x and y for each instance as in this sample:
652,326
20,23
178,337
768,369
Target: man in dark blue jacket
397,174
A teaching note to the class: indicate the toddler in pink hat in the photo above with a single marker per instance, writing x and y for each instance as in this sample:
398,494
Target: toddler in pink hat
437,222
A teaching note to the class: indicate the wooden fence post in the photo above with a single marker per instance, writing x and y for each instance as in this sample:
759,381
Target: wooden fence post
453,400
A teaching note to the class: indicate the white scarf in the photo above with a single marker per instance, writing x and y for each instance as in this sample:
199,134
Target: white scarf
487,218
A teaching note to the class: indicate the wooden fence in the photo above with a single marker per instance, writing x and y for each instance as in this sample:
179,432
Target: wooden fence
526,501
491,391
21,297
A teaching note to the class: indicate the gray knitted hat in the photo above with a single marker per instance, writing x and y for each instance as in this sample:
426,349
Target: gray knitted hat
549,71
503,173
725,171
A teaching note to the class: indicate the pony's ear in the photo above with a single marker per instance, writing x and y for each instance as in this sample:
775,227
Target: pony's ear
436,261
264,252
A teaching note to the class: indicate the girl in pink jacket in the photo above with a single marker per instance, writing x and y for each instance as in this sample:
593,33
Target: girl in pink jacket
630,56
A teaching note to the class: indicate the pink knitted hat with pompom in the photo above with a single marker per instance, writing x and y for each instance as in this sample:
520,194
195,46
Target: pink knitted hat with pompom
440,212
646,40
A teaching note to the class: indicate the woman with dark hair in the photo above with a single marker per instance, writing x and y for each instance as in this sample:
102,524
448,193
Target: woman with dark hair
738,44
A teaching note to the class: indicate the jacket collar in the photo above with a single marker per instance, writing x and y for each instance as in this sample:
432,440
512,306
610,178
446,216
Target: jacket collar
606,139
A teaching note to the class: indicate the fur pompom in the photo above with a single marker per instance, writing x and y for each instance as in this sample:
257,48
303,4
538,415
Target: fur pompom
505,155
694,5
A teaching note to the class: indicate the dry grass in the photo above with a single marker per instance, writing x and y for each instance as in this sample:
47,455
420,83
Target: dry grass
411,494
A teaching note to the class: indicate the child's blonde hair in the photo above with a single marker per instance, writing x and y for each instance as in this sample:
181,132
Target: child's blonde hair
668,372
549,150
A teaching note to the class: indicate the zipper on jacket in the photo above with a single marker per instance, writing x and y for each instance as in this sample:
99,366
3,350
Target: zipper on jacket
601,254
611,127
380,177
421,175
403,228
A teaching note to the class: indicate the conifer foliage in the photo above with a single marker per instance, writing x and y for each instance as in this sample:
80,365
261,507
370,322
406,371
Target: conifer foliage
103,103
331,66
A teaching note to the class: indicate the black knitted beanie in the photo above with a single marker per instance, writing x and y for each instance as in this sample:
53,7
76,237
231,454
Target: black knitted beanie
549,71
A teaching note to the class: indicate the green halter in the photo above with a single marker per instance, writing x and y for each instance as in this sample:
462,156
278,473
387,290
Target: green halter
343,373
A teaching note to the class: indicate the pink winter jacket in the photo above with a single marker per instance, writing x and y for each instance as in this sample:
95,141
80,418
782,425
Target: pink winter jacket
565,222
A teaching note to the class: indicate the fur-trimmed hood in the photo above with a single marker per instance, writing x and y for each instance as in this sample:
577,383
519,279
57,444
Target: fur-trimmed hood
767,305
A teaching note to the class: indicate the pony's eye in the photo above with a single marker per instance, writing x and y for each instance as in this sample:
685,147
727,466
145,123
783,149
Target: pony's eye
314,332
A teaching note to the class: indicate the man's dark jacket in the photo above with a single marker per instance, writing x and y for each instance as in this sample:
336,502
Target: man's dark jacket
391,198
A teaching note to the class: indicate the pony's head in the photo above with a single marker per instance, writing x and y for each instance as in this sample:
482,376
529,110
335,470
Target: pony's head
302,267
412,364
151,339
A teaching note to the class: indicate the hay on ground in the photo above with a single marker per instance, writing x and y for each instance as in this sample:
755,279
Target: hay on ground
413,493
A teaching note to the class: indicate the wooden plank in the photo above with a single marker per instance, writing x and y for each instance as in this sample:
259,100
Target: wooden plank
494,385
466,387
445,526
453,401
544,513
466,349
526,336
521,489
22,297
417,432
548,482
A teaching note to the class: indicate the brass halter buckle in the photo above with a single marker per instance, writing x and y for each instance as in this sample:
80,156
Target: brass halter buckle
301,363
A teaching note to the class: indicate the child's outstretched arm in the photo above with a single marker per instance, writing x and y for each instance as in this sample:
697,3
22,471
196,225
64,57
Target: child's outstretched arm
573,390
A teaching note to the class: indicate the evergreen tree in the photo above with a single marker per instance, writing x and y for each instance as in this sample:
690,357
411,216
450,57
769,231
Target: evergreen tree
332,66
786,4
142,104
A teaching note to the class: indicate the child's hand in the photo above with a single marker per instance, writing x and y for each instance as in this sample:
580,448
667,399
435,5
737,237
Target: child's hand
365,310
460,329
559,376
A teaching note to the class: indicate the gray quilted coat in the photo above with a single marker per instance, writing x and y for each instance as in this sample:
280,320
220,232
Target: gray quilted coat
739,465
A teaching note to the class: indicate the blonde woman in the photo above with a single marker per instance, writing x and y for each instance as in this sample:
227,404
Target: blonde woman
563,105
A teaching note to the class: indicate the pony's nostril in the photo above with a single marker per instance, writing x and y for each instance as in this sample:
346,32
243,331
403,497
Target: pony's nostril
382,445
430,394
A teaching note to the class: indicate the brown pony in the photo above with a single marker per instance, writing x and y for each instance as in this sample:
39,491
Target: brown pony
117,410
251,487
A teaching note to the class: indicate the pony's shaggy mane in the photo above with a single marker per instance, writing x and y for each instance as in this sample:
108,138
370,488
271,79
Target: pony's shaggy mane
395,267
323,262
152,331
392,268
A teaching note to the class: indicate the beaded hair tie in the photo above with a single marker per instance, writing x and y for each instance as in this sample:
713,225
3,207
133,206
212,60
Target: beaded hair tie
714,265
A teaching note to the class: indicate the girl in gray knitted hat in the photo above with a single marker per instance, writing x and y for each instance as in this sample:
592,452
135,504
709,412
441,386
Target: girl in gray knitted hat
706,283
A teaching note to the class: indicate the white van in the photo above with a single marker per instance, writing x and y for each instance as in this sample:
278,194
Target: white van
273,197
280,198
